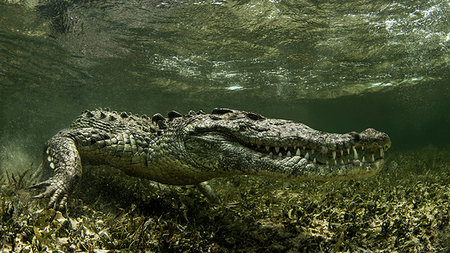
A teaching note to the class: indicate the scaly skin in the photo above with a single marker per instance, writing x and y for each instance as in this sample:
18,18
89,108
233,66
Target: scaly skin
190,149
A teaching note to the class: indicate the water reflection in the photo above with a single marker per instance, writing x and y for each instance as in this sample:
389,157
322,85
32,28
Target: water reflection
319,49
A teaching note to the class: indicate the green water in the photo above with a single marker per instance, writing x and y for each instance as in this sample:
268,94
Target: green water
336,66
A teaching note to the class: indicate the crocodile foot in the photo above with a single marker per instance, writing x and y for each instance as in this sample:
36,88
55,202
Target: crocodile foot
56,190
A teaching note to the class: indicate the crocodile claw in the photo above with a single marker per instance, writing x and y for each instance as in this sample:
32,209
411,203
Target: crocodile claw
55,190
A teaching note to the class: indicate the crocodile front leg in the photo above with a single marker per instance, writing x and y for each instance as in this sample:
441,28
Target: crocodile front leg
62,156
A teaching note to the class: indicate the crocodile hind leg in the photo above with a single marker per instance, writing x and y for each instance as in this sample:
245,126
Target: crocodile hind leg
61,155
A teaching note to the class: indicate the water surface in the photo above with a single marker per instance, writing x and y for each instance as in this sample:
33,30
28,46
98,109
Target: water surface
332,65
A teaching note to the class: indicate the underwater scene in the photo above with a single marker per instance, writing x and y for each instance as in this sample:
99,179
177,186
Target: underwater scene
318,126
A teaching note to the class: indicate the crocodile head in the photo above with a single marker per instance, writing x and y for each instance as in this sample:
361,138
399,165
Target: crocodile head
230,142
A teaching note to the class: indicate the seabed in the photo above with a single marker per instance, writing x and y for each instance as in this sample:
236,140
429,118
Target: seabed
405,208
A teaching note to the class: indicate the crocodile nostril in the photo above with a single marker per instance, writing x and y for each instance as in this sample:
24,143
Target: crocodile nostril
355,136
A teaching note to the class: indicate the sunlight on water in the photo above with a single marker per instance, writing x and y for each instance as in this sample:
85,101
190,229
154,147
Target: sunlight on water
274,57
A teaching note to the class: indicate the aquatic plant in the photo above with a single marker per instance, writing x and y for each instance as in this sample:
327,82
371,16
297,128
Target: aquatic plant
404,208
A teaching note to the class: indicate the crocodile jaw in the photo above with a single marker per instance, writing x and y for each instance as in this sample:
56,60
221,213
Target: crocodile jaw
221,154
284,149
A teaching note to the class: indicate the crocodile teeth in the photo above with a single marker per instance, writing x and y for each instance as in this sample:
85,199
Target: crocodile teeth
279,155
289,153
372,157
307,155
315,160
297,153
342,152
348,151
334,155
364,159
355,153
285,148
277,149
267,148
381,153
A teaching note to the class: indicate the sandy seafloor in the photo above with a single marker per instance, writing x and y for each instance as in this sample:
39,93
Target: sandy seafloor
405,208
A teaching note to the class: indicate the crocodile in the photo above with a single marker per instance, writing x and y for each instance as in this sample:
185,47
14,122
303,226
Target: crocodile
196,147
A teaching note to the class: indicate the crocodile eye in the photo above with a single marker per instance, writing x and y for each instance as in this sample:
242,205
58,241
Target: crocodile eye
174,114
221,111
355,136
254,116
